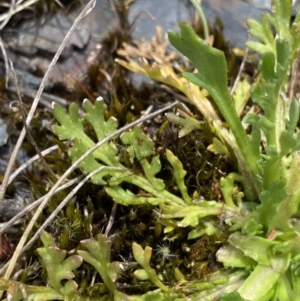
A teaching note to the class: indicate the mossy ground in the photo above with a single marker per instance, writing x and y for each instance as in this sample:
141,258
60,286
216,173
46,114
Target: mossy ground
87,214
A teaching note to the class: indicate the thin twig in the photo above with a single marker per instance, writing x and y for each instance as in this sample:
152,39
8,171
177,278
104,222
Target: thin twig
111,219
30,161
17,9
4,54
63,203
35,102
115,11
31,206
294,78
29,136
46,98
202,17
65,175
15,256
9,14
240,72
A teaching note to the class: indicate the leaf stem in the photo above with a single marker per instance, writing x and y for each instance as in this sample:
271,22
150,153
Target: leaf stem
202,17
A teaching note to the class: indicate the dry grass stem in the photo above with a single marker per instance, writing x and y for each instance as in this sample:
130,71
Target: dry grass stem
11,162
29,136
15,9
31,206
30,161
62,204
6,65
238,77
16,254
111,219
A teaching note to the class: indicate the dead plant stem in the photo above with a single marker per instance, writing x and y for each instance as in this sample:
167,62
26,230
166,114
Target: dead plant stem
83,13
29,136
11,162
31,206
30,161
64,202
238,77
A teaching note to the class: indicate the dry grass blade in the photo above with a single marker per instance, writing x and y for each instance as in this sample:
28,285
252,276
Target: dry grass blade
31,206
62,204
15,9
30,161
29,136
83,13
240,71
4,54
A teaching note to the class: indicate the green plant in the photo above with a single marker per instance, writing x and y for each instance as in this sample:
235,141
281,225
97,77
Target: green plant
264,242
260,214
268,157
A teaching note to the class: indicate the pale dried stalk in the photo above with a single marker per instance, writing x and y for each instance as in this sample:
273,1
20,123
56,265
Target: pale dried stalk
11,162
63,203
29,136
238,77
83,13
9,14
17,9
30,161
5,59
31,206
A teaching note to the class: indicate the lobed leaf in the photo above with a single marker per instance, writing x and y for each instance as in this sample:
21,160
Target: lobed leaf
58,267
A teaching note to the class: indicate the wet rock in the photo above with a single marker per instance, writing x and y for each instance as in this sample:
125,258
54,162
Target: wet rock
3,132
266,4
233,16
145,15
34,43
25,79
230,17
10,207
44,36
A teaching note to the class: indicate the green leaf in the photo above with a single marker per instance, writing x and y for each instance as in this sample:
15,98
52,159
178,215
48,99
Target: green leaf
208,228
232,297
270,201
282,13
212,75
262,32
19,291
217,147
188,123
141,274
140,148
58,267
290,205
191,214
255,247
72,128
293,116
233,257
267,66
210,62
98,255
241,96
143,257
179,174
259,285
106,158
95,116
228,188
